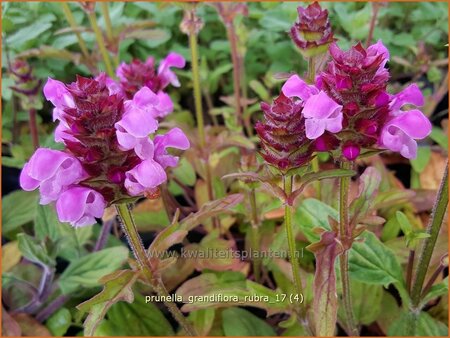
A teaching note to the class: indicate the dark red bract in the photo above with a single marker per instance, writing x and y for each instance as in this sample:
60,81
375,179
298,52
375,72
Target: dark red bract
283,140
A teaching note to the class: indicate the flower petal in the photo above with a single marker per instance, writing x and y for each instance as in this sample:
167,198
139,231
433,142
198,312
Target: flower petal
409,95
80,206
57,93
295,86
321,106
413,123
175,138
314,128
145,176
165,74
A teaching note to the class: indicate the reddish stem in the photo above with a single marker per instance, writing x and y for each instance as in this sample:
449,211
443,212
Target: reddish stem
33,128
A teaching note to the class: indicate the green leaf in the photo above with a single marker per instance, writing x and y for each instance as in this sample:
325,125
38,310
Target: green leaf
34,250
29,33
404,222
203,320
18,208
137,319
59,322
185,172
85,272
422,159
117,287
311,214
367,300
421,324
260,90
46,223
436,291
240,322
440,137
372,262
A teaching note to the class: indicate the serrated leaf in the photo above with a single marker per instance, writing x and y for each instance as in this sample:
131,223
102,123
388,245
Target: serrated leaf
372,262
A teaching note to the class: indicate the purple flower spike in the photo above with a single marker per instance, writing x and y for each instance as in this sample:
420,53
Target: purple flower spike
80,206
52,171
175,138
295,86
379,49
322,113
165,74
145,177
400,133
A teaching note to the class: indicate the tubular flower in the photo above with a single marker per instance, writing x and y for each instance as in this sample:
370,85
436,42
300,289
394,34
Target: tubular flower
357,79
312,32
284,142
108,153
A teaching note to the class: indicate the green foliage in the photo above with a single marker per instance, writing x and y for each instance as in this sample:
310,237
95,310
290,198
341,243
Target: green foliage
85,272
239,322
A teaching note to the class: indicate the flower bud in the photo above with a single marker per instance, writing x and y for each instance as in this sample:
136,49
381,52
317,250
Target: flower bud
312,32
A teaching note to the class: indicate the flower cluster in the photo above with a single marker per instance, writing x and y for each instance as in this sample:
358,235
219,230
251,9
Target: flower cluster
108,154
138,74
312,32
349,107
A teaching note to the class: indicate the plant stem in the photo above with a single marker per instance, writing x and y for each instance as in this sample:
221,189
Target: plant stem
429,243
129,227
291,237
103,236
345,236
197,92
236,73
375,8
432,279
33,128
109,31
101,44
71,20
409,269
255,236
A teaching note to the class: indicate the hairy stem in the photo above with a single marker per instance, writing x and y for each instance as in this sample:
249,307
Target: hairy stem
255,238
101,44
71,20
33,128
129,227
291,237
432,279
439,210
345,236
197,92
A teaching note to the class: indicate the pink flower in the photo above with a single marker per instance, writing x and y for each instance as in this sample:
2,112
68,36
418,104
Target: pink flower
175,138
144,178
52,171
165,74
404,127
138,123
320,111
400,133
56,92
80,206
